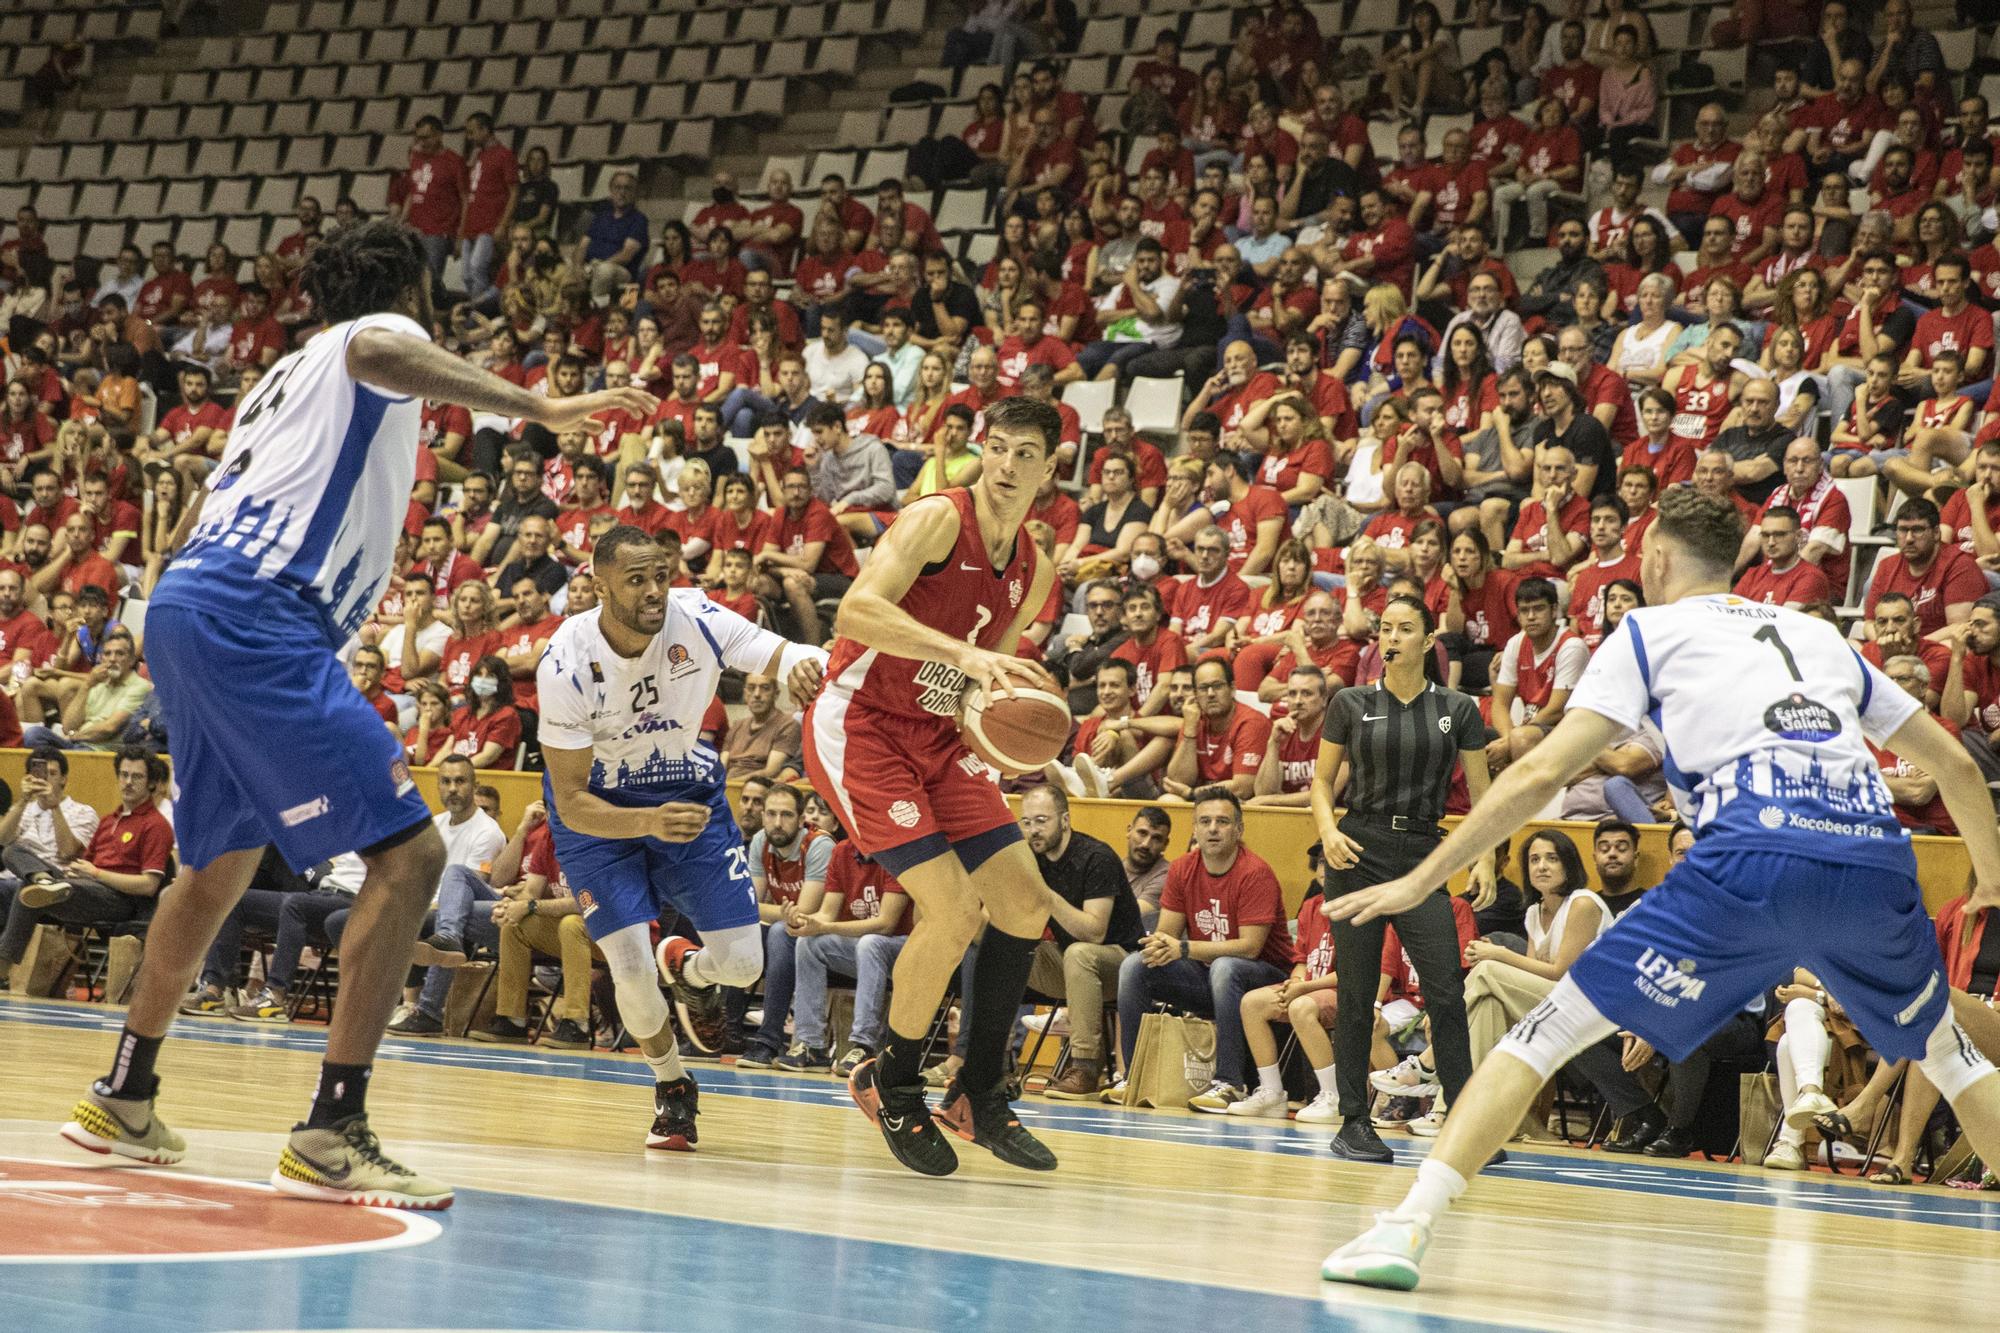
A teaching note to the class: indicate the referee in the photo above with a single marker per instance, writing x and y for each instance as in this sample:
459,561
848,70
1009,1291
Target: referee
1400,738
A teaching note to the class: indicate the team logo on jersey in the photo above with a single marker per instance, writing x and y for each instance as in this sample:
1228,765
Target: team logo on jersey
1798,718
904,814
399,774
1771,817
585,903
596,673
1444,725
680,661
1014,592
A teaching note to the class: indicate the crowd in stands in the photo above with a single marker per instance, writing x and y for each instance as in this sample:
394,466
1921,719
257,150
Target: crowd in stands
1466,370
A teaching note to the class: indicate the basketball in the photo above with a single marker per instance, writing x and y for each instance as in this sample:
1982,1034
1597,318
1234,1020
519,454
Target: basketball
1015,735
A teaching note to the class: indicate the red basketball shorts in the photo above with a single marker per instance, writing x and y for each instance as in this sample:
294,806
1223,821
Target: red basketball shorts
897,781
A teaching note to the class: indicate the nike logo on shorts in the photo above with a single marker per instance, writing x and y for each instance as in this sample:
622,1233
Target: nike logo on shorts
1377,718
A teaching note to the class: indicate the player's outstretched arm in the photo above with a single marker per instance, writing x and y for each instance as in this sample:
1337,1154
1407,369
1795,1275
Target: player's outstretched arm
1511,802
872,615
1930,747
418,368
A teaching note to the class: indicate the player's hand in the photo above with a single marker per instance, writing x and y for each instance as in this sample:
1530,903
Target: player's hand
1364,905
805,680
1341,852
561,414
999,673
678,821
1484,884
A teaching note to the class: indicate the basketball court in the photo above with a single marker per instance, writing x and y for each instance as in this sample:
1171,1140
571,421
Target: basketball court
793,1216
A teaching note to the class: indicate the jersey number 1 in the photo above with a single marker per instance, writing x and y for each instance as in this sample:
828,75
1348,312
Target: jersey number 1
1769,634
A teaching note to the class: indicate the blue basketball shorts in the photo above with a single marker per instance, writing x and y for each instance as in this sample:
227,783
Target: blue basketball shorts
1728,924
271,742
621,882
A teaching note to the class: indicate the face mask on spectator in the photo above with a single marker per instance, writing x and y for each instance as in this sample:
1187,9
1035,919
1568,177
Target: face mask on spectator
485,686
1144,568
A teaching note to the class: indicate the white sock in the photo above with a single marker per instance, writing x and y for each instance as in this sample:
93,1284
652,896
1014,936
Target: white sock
1811,1046
1326,1084
1437,1187
668,1067
1269,1079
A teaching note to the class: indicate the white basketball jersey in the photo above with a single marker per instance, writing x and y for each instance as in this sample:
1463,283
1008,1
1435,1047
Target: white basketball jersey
313,485
641,716
1764,711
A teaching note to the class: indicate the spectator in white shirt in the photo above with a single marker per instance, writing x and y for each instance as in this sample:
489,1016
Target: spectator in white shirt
46,825
472,839
834,366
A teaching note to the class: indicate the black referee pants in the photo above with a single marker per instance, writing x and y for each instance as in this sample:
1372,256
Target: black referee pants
1429,934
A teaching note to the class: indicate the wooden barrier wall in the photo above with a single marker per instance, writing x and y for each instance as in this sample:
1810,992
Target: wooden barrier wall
1279,836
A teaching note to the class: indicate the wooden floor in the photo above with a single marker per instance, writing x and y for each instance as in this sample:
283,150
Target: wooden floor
792,1215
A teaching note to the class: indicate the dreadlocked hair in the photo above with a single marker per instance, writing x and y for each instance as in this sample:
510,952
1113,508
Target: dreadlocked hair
364,270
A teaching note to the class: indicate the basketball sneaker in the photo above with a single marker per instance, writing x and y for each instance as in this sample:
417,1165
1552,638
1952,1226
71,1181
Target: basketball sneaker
674,1111
1092,777
699,1007
1388,1254
344,1163
905,1121
124,1127
988,1120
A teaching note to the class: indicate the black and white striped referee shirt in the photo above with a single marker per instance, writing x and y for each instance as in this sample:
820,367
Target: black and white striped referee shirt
1400,756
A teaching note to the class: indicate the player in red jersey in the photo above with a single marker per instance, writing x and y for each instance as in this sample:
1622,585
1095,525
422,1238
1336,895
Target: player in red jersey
941,605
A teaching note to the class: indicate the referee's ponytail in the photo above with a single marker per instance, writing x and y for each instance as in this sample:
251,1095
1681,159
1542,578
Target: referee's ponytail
1428,618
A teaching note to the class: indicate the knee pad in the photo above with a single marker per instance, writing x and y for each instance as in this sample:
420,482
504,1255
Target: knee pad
1556,1030
732,957
635,979
1951,1061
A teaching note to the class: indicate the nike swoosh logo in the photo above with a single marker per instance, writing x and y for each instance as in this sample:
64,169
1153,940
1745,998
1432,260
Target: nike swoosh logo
970,568
896,1122
1377,718
335,1176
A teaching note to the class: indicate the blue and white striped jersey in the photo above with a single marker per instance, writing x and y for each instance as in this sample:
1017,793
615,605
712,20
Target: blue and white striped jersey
311,490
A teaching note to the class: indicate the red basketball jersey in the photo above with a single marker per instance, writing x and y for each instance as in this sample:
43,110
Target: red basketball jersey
785,876
963,596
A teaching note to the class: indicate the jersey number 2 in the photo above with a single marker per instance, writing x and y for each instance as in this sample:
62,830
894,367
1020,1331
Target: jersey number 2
1769,634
